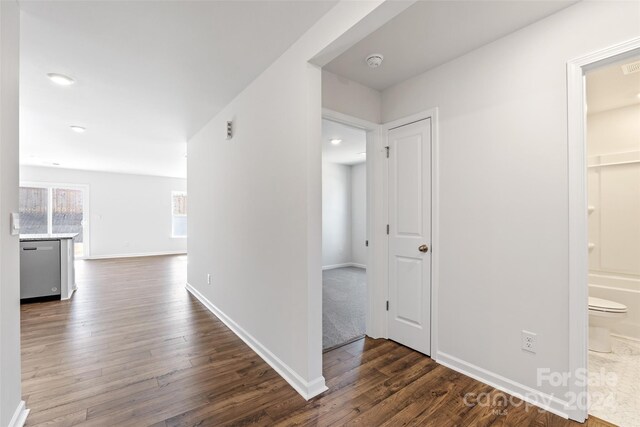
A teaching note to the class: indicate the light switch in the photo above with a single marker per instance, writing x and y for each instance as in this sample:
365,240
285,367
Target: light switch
15,224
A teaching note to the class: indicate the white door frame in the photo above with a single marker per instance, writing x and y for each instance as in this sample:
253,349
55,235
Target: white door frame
378,217
435,215
578,217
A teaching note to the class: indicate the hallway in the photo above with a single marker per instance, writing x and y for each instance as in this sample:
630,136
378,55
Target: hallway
132,347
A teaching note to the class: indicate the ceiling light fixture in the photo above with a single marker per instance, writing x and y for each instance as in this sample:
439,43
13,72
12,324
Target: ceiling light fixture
336,141
364,153
77,129
61,79
375,60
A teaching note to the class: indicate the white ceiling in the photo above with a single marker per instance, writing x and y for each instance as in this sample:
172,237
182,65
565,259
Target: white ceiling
149,74
430,33
609,88
350,150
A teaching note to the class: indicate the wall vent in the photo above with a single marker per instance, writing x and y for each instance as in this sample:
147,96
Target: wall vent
632,67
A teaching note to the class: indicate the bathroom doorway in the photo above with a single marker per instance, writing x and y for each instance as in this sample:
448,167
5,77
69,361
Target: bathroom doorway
613,197
604,211
344,233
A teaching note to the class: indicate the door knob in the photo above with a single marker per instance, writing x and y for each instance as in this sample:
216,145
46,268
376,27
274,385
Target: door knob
423,248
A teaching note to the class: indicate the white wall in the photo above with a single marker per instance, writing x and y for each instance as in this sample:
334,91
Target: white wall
255,207
336,214
504,193
614,131
348,97
129,214
10,390
343,215
614,224
359,214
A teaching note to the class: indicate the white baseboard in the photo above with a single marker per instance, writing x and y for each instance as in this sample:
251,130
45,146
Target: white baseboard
20,415
346,264
534,397
305,388
142,254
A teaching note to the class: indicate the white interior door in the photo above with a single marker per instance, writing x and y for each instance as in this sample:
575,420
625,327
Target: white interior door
409,308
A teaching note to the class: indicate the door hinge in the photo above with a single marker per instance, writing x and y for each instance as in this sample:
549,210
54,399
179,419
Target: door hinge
387,148
366,243
387,305
387,229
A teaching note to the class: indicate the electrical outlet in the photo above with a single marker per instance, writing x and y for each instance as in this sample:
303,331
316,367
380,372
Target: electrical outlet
528,341
208,278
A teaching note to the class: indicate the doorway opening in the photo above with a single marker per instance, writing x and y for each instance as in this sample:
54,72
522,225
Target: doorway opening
344,233
398,291
613,197
604,231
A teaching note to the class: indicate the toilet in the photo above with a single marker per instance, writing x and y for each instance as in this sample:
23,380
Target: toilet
602,315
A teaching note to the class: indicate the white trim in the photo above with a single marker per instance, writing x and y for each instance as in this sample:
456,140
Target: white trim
542,400
306,389
423,115
435,228
20,415
346,264
334,266
375,305
137,255
432,114
380,218
345,119
578,233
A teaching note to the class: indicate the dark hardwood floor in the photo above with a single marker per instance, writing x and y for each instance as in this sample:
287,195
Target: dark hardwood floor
133,348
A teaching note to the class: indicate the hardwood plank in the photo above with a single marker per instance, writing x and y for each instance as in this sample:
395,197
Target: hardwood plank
134,348
68,420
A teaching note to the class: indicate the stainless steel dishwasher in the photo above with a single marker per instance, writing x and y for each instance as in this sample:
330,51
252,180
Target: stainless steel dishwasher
39,269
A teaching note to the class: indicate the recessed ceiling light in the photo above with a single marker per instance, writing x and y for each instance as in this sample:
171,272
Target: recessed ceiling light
77,129
61,79
336,141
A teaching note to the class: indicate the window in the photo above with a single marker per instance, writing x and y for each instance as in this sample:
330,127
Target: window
178,214
34,210
48,210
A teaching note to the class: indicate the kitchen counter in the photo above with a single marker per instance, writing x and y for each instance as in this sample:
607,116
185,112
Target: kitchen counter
45,237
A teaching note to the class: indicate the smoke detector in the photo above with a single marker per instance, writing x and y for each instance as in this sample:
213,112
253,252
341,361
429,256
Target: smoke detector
374,60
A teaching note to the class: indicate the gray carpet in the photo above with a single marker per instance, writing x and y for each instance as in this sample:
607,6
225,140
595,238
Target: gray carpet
344,300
